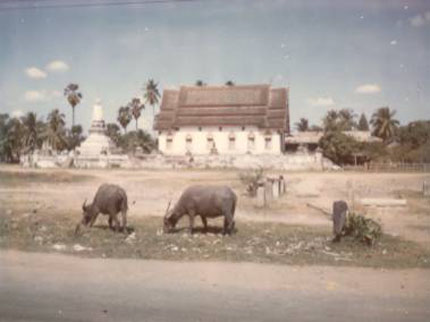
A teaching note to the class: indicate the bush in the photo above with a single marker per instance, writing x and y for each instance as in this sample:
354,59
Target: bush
251,178
362,229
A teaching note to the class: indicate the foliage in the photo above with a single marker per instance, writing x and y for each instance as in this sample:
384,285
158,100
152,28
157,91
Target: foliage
113,132
362,229
11,140
151,93
302,125
124,117
75,137
252,178
136,107
339,147
343,120
73,97
55,131
229,83
363,125
32,132
383,123
130,141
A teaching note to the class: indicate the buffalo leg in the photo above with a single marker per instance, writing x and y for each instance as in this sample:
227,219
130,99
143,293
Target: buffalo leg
205,223
117,225
228,224
124,221
93,220
191,216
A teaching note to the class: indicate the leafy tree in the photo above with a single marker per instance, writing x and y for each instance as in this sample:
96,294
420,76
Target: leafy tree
113,132
343,120
200,83
136,107
339,147
151,94
383,123
73,97
347,119
33,131
4,120
229,83
124,117
134,139
55,132
75,137
11,140
302,125
363,125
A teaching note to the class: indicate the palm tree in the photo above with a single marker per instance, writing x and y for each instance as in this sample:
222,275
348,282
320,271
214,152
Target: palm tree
229,83
124,117
73,97
151,94
13,142
136,107
302,125
32,129
55,132
383,123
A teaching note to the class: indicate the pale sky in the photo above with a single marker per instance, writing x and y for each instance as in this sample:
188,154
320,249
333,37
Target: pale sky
331,54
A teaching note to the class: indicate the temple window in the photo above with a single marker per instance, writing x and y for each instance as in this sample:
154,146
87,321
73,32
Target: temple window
209,141
169,141
251,141
268,140
189,142
231,141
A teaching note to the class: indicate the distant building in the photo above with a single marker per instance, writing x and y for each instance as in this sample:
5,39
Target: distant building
227,120
309,140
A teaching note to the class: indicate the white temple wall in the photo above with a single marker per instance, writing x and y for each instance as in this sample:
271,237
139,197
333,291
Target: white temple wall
228,141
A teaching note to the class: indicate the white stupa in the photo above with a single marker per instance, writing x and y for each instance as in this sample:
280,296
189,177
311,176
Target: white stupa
97,143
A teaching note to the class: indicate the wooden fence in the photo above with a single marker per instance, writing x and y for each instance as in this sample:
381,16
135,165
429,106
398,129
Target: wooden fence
390,167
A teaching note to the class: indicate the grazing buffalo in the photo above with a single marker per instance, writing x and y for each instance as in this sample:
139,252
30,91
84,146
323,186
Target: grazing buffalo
206,202
109,200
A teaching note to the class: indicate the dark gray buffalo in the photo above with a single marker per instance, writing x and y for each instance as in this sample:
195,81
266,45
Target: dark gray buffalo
109,200
206,202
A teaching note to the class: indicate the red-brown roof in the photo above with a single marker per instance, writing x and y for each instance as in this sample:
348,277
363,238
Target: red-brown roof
239,105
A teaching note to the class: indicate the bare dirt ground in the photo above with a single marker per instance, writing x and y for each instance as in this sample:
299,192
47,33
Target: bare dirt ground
151,190
42,207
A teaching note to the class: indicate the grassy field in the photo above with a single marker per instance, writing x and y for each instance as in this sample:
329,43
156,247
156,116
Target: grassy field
39,210
254,242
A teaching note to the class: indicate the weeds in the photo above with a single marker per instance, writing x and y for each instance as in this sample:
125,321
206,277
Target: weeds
252,178
362,229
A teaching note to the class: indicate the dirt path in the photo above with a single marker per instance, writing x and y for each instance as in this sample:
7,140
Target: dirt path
46,287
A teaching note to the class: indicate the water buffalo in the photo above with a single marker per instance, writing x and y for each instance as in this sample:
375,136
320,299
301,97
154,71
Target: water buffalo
206,202
109,200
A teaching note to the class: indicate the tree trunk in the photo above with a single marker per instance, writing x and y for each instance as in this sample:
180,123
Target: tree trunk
73,116
136,125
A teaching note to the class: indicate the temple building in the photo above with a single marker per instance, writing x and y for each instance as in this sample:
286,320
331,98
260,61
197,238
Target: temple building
225,120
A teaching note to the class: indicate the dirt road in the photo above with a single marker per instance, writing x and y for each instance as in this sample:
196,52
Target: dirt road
47,287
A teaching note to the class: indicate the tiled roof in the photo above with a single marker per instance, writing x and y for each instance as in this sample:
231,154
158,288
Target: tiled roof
240,105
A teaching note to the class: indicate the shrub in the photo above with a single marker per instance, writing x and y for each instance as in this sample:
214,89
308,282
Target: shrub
362,229
251,178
